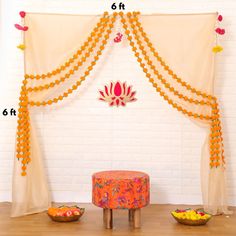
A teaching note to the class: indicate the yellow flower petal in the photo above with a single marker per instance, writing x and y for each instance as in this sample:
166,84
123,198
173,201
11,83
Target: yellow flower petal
217,49
21,46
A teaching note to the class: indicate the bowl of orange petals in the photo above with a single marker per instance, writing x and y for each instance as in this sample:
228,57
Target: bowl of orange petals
65,213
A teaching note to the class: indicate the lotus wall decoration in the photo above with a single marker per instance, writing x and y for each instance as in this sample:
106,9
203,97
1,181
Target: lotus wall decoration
117,94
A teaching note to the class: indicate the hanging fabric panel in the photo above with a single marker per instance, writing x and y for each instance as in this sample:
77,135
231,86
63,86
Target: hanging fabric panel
175,53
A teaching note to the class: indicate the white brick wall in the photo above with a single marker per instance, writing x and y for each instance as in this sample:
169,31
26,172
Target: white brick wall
83,136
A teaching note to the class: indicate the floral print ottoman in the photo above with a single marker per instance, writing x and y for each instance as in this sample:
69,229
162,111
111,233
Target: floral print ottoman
121,189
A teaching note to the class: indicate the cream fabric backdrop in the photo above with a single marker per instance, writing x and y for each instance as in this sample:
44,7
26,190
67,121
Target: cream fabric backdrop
184,41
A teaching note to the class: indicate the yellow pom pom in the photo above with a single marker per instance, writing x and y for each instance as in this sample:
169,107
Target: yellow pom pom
21,47
217,49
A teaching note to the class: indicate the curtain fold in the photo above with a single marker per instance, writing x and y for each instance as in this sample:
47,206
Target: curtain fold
30,192
184,41
190,56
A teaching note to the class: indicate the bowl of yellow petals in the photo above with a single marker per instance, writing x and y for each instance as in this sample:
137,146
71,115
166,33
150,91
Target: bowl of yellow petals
65,213
191,217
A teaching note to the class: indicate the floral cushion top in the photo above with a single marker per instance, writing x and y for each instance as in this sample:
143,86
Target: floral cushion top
121,189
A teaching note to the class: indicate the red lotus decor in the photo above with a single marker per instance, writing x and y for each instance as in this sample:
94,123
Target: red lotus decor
117,94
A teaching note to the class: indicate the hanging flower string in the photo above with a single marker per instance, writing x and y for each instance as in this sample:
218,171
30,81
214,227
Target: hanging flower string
216,140
21,28
82,55
219,31
58,70
94,45
86,73
23,128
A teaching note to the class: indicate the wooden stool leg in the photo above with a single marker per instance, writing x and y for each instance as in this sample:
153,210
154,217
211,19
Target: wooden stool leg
107,218
104,216
137,218
131,214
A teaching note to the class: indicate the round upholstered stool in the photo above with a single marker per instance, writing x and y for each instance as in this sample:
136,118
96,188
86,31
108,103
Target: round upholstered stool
121,190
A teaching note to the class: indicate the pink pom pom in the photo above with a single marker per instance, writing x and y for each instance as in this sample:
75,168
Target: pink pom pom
22,14
217,30
220,31
23,28
220,18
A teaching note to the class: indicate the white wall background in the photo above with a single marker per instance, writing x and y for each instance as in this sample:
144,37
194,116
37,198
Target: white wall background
84,135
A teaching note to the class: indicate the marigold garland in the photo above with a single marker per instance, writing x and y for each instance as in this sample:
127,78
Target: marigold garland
153,68
93,41
163,64
86,73
23,130
216,147
100,35
148,75
74,57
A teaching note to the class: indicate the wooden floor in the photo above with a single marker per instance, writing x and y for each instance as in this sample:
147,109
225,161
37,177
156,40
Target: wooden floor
156,220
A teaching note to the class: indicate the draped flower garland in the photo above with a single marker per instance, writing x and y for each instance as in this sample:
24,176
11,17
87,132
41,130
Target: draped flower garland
147,57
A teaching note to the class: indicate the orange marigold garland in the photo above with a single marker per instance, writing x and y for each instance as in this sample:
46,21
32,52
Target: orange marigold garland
159,76
163,63
92,42
74,57
216,147
148,75
216,139
86,73
23,130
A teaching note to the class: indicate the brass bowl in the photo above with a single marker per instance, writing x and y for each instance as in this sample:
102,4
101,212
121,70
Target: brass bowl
67,218
192,222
